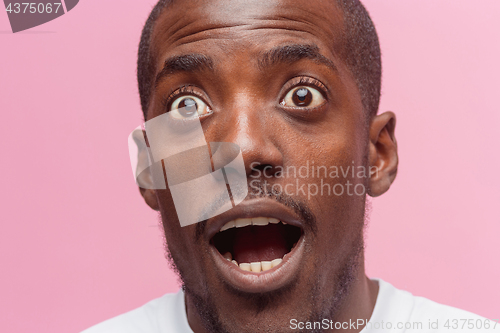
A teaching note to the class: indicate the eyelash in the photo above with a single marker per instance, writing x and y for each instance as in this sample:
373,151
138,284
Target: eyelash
184,90
302,81
305,81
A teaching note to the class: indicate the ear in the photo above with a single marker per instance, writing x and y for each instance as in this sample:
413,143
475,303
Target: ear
143,171
383,153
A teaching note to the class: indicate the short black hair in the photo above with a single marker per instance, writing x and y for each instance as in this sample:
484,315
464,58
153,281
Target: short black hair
360,52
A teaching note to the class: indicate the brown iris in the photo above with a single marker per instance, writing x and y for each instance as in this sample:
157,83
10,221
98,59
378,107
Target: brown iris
188,107
302,97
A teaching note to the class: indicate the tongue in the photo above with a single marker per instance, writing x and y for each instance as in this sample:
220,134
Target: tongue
259,243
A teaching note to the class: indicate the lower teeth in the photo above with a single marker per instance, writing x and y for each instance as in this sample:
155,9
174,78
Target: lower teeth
256,267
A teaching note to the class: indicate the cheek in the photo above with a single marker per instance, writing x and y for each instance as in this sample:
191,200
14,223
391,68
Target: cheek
335,187
188,253
328,165
180,240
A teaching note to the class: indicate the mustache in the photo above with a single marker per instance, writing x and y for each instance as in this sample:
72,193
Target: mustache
259,191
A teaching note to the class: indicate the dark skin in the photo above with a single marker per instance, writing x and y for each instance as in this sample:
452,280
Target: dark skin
247,99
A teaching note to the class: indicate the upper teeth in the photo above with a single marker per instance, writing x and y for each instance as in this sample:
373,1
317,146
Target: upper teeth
239,223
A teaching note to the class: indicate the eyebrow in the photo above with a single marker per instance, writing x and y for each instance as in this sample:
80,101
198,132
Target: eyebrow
293,53
192,62
195,62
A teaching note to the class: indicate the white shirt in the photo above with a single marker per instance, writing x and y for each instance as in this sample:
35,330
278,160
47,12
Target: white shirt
395,311
400,308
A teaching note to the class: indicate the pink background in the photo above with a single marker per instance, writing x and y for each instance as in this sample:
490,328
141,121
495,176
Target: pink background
78,245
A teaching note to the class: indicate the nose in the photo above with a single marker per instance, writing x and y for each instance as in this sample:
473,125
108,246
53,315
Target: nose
254,130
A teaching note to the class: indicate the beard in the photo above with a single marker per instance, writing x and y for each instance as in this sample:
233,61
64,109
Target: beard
320,308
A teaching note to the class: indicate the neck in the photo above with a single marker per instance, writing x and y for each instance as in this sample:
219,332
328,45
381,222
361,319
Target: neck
358,305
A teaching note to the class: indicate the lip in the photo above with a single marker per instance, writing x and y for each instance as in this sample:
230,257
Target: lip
273,278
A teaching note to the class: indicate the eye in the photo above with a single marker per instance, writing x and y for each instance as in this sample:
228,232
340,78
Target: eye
188,106
303,96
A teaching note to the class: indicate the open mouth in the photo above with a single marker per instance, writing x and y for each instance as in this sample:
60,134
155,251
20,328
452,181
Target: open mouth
256,244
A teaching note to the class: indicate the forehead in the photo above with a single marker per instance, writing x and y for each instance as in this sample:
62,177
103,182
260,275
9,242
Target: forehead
222,27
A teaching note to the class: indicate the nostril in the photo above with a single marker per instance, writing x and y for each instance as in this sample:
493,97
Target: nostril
264,170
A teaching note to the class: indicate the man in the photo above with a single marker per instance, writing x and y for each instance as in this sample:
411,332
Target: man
296,85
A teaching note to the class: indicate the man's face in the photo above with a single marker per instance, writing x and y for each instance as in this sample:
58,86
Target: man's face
272,80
